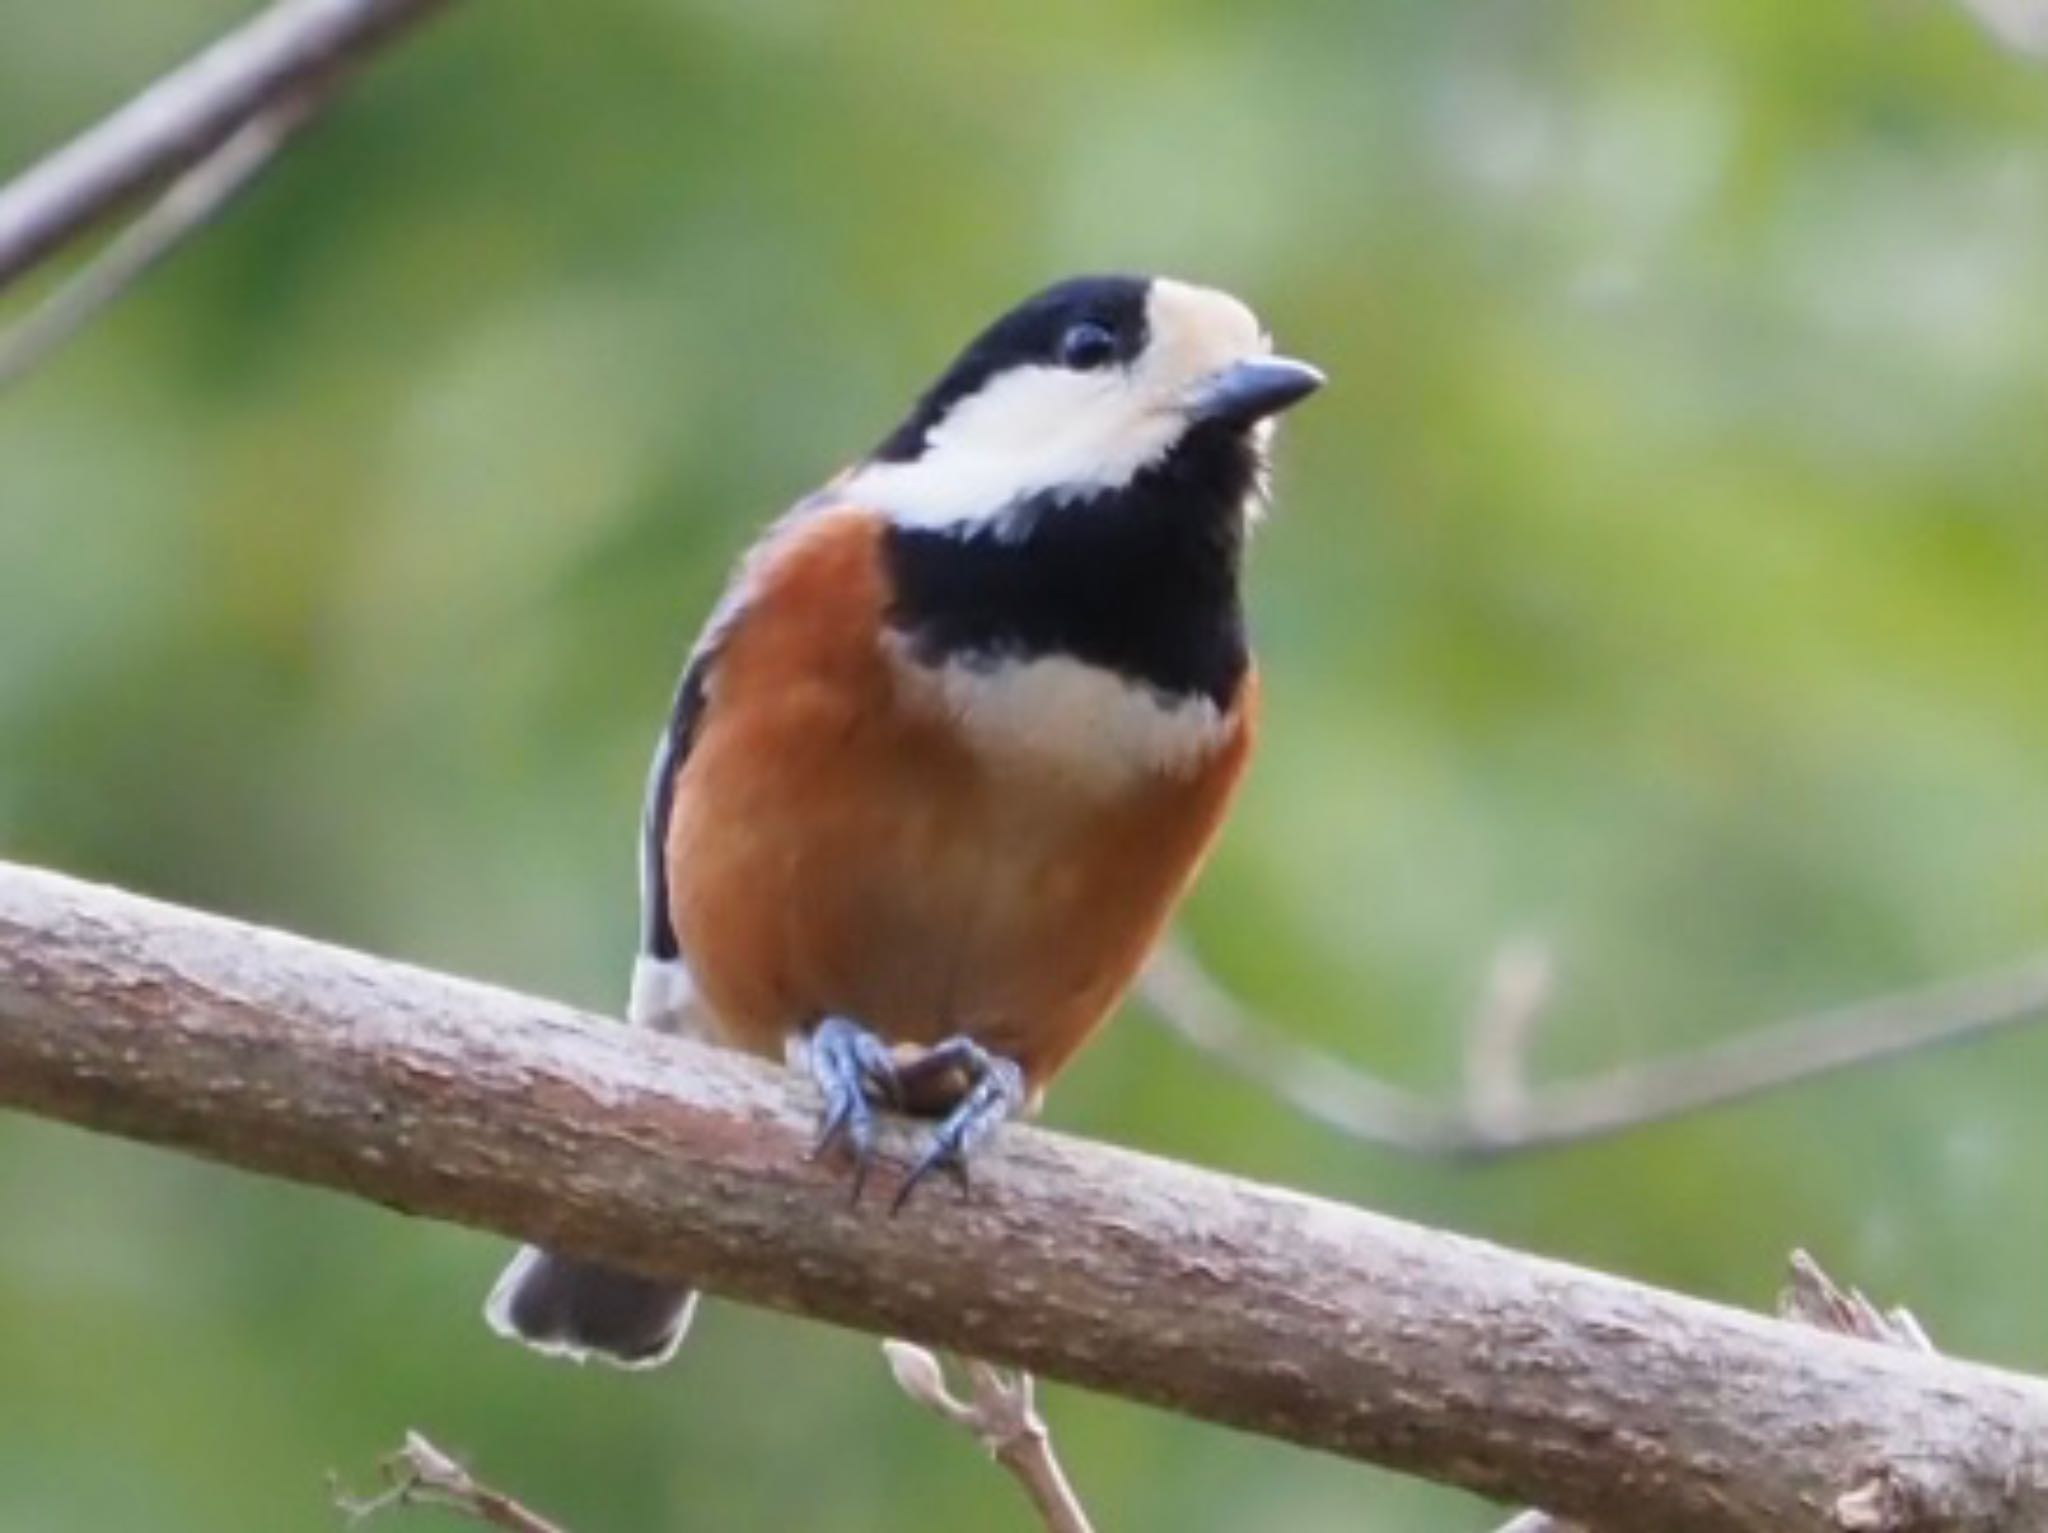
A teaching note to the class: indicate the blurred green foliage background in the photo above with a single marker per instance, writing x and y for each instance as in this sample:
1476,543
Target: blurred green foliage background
1662,574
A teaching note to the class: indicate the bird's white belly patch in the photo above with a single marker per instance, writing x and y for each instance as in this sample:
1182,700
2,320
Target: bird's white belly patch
1063,716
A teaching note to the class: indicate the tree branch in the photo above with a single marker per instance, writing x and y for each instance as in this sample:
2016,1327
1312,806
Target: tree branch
291,47
2022,25
1810,1297
192,202
420,1474
1000,1413
1502,1113
1608,1402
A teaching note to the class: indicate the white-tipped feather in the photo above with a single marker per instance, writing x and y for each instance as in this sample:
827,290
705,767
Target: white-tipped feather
498,1307
498,1316
664,997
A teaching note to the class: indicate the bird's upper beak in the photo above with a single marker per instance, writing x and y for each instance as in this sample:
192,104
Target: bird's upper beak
1251,390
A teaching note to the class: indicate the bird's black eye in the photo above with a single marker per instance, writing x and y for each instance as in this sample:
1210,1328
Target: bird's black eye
1087,345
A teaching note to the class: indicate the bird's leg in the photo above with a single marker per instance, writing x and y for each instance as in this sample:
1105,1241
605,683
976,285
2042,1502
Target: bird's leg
995,1091
855,1070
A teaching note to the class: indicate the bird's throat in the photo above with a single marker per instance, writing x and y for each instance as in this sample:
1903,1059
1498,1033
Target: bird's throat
1141,582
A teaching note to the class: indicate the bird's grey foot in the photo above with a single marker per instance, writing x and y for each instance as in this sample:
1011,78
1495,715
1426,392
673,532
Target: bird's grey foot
856,1073
995,1091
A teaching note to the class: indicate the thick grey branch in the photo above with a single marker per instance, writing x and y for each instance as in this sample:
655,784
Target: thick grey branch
184,116
1610,1403
1811,1297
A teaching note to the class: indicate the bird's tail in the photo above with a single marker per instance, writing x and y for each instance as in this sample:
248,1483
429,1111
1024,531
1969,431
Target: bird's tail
579,1310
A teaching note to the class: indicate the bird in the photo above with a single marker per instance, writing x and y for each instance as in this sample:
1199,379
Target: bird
954,743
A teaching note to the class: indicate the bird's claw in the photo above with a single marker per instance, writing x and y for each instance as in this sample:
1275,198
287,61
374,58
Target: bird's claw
996,1093
857,1073
854,1070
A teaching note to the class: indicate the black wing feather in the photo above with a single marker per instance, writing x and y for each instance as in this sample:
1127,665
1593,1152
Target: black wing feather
657,927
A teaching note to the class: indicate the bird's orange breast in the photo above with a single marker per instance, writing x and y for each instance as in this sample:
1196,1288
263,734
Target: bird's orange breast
841,845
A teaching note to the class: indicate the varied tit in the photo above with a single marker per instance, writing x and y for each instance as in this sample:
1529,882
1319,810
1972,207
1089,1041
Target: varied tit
955,742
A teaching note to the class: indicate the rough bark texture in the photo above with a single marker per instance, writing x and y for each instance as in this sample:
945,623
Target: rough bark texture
1623,1407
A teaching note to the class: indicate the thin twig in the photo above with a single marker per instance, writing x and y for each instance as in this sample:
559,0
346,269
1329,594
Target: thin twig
1813,1298
1002,1416
1882,1500
184,116
191,202
420,1474
1499,1119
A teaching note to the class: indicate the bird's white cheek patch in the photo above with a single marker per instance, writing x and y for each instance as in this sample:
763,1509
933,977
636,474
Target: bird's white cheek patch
1032,431
1059,716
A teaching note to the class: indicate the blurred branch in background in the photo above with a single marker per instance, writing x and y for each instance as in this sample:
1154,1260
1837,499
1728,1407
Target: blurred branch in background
1248,1306
219,118
1001,1414
2020,24
1503,1112
420,1474
190,203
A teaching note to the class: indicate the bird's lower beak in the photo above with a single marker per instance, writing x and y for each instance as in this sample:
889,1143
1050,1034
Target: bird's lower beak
1251,390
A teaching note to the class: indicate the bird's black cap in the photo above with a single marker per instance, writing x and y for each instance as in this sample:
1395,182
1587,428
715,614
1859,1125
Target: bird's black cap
1030,333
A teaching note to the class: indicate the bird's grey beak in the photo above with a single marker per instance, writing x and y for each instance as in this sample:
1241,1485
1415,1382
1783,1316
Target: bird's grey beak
1251,390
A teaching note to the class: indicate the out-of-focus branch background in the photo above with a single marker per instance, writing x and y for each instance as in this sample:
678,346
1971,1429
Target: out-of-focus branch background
1662,575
